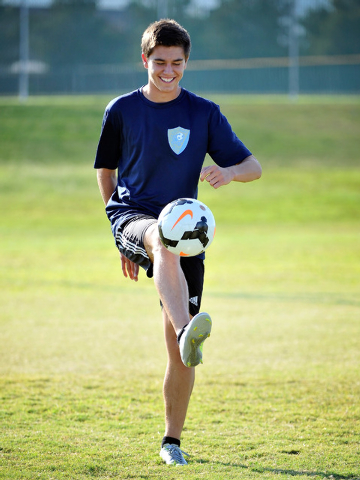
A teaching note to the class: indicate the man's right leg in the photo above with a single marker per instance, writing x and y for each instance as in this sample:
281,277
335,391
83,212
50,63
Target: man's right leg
139,241
169,279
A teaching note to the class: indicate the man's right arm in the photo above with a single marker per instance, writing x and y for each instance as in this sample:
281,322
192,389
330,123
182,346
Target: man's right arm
107,181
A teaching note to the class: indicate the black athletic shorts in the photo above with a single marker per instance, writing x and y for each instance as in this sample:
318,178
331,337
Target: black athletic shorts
129,239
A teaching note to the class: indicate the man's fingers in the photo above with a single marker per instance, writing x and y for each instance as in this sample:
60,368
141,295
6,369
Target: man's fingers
132,270
215,176
136,271
129,269
212,174
205,172
123,265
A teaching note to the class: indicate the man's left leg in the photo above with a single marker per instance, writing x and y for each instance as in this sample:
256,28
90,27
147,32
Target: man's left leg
178,385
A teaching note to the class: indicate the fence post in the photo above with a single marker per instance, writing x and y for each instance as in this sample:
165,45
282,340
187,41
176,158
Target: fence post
24,51
293,53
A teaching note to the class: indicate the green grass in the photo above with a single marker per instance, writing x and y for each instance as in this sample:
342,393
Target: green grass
80,378
313,131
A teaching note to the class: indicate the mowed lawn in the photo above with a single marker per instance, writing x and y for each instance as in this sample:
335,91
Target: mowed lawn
81,348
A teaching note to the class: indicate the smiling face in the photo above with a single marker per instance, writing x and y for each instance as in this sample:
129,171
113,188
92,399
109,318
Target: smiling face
165,66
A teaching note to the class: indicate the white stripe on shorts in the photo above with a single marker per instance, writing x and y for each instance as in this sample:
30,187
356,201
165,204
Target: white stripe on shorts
127,244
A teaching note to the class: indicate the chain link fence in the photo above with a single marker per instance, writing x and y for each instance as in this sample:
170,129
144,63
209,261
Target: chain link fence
322,75
28,71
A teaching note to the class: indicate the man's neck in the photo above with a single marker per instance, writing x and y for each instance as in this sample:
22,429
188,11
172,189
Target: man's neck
156,96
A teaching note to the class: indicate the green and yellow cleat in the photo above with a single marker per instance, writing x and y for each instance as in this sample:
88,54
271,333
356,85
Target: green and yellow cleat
192,340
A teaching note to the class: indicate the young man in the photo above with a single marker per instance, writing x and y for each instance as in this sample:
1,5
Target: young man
151,151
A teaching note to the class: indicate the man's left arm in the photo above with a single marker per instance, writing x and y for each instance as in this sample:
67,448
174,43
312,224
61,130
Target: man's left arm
246,171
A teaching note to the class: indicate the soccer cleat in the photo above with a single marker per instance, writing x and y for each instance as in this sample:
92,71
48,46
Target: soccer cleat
172,455
192,339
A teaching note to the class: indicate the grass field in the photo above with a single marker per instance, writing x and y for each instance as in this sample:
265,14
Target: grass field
81,349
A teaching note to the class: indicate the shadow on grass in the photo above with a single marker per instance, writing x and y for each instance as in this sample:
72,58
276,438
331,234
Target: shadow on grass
283,471
294,473
316,297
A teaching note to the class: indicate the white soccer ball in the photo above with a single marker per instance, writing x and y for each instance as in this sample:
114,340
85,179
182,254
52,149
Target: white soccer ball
186,227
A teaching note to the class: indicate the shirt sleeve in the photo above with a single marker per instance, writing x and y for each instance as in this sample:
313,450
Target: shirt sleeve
224,147
108,150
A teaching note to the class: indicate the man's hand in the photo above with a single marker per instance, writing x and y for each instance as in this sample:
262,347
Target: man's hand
129,269
246,171
216,176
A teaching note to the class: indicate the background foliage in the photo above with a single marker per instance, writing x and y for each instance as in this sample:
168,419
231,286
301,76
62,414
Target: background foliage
72,32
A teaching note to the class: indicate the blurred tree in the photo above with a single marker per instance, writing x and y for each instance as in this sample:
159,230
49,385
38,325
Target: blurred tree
9,34
178,9
333,30
141,13
139,16
73,32
250,28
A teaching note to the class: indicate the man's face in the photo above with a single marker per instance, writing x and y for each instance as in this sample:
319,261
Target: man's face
165,67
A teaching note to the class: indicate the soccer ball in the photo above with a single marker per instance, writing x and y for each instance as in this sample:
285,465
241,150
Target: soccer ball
186,227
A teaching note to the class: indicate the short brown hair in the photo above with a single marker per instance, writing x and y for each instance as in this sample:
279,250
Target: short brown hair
168,33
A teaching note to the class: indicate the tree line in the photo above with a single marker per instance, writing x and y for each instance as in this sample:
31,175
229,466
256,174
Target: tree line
77,32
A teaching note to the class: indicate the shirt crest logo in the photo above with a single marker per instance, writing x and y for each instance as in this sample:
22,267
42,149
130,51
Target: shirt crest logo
178,139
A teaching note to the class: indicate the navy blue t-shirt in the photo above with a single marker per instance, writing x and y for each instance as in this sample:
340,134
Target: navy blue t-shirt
159,149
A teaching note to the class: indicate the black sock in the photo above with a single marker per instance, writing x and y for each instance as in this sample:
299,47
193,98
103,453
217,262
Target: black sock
171,441
181,332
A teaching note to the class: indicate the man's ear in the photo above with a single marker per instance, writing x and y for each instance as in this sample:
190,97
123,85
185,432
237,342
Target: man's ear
144,59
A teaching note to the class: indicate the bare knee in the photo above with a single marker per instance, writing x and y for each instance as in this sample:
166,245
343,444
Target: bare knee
154,247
